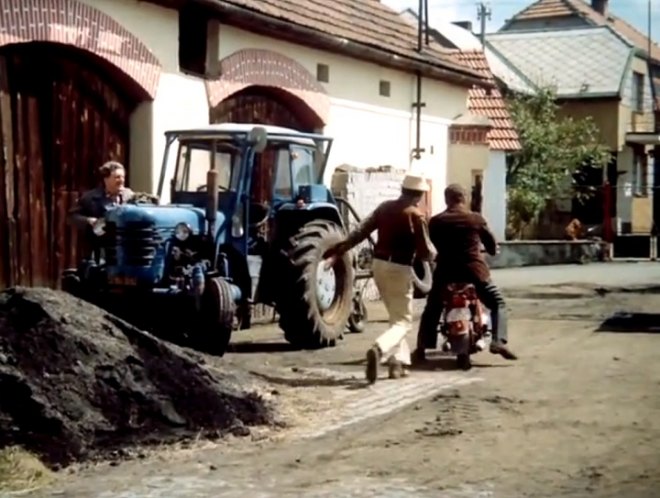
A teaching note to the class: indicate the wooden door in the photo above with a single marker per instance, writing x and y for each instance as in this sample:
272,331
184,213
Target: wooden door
8,234
476,191
60,122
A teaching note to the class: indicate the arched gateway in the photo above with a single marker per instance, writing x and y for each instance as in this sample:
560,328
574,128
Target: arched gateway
265,87
70,76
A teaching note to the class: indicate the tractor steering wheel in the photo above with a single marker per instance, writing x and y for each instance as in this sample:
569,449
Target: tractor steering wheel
202,188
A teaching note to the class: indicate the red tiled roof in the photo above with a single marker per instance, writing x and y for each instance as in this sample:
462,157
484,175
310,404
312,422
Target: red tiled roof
366,22
543,9
503,135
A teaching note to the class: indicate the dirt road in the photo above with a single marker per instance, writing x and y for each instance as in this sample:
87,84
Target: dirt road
578,415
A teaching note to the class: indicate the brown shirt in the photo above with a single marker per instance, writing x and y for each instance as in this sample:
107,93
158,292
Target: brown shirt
402,233
457,235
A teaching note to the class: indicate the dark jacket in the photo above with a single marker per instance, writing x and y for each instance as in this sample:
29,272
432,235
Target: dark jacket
457,235
94,204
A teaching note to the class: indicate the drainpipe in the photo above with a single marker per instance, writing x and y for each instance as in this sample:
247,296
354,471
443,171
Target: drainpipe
422,26
417,151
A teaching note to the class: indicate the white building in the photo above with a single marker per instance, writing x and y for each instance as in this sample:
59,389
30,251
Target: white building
486,161
84,81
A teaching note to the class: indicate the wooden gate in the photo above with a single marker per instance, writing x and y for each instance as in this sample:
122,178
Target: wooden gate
60,122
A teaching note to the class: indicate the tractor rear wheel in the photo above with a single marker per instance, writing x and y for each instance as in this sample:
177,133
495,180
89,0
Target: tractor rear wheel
315,311
216,317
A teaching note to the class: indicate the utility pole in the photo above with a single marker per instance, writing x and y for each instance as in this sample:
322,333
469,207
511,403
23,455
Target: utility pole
650,30
483,14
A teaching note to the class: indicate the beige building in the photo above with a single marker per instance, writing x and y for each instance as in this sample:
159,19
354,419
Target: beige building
627,120
84,81
595,72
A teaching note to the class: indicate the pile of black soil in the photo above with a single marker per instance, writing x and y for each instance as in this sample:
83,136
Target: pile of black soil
78,384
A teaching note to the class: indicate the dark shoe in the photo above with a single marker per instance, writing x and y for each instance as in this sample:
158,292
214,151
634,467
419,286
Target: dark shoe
397,369
373,360
502,350
418,356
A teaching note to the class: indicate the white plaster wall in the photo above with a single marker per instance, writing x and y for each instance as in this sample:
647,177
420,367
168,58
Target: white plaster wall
370,130
367,136
494,191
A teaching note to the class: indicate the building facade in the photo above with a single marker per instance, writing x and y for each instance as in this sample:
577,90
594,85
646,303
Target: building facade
595,73
481,139
85,81
638,115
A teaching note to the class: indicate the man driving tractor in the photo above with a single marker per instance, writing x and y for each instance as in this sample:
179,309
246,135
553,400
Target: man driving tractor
457,234
94,203
402,237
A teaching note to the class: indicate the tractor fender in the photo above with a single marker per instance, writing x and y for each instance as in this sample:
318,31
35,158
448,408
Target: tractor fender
315,210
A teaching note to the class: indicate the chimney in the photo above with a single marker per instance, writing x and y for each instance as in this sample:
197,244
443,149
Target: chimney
600,6
464,24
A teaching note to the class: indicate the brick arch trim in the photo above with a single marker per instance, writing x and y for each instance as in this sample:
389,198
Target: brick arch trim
75,23
250,67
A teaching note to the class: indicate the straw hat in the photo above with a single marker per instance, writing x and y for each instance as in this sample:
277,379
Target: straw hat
415,182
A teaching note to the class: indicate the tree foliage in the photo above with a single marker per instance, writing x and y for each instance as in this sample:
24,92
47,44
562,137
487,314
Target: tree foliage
554,148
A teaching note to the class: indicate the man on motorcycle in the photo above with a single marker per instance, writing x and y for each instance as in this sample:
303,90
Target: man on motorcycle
457,234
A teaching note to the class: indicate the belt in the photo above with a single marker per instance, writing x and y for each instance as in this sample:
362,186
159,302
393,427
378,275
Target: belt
394,258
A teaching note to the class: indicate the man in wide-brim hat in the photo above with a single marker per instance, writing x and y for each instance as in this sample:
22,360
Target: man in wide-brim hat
402,237
458,234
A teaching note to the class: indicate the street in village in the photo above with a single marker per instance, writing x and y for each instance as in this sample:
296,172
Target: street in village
578,415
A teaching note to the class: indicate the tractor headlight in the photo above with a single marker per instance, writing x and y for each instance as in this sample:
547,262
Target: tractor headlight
182,231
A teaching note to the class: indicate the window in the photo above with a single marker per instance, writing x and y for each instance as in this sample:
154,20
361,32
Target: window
640,173
303,162
384,89
323,73
194,162
638,91
194,41
283,175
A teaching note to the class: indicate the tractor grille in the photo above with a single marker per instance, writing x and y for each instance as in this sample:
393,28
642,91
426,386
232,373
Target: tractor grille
138,242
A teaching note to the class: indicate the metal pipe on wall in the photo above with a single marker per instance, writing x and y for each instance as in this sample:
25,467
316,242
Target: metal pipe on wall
422,28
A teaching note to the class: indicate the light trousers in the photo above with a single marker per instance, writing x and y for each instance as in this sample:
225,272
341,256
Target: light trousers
394,282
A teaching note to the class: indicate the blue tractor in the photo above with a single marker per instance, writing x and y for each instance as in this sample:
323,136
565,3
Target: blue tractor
249,222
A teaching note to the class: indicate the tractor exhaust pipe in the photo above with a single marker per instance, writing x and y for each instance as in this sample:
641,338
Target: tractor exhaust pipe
212,192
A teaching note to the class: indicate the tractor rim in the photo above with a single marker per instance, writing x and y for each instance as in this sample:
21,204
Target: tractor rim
326,286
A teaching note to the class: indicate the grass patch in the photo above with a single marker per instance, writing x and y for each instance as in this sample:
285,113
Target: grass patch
21,470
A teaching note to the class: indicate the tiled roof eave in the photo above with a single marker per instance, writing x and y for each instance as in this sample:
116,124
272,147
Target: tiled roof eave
430,65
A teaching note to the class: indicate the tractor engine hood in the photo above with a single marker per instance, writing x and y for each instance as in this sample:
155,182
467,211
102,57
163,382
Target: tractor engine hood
163,218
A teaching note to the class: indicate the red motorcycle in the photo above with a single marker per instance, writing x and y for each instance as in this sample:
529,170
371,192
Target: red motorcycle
465,323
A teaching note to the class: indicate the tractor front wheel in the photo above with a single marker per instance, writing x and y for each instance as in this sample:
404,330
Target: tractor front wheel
315,310
216,317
